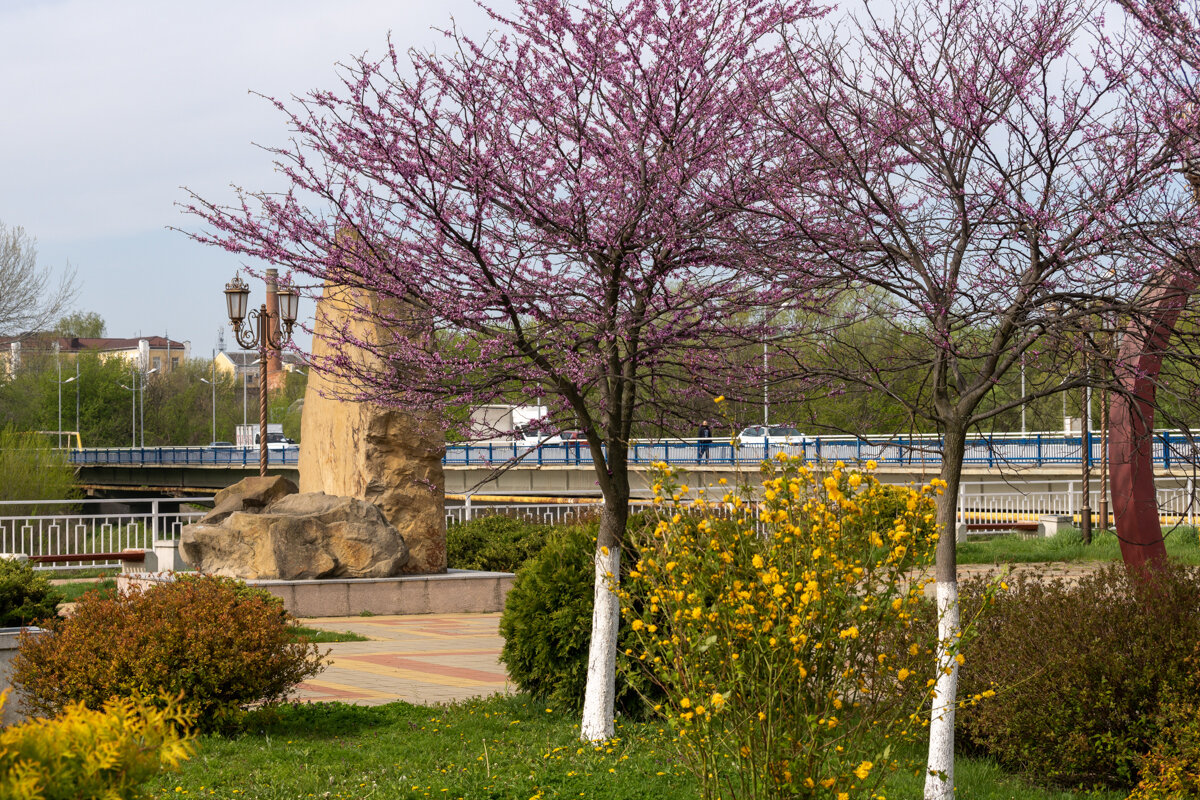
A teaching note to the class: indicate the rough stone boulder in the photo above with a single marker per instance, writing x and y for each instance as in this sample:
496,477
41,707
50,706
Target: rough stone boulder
248,494
388,457
298,537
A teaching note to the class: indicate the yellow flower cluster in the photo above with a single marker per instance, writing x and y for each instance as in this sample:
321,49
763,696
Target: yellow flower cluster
778,607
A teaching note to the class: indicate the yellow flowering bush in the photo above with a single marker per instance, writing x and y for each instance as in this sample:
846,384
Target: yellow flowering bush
769,625
83,754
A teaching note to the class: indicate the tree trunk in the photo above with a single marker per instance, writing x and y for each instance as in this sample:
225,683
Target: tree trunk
939,777
1131,423
600,693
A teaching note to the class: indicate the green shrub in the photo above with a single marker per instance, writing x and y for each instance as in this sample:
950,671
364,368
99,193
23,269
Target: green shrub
1079,672
495,543
84,754
547,624
222,645
25,596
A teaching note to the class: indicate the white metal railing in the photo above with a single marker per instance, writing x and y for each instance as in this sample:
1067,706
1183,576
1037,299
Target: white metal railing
1001,501
82,528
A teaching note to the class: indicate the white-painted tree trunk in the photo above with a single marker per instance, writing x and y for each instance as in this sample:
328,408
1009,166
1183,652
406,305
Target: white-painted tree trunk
600,694
939,778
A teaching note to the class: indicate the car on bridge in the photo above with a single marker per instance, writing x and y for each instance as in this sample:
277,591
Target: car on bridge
781,436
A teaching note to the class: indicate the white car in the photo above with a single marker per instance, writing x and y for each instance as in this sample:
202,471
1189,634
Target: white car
277,441
774,435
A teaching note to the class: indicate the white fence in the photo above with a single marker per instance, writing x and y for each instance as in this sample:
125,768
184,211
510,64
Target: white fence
987,501
1005,501
83,528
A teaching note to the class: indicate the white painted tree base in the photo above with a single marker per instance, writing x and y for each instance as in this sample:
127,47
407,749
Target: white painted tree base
939,778
600,695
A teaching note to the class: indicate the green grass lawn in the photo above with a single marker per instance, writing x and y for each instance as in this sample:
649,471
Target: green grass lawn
74,590
1182,544
319,636
498,748
87,572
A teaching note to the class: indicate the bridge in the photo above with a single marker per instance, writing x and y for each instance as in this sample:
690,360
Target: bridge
1045,461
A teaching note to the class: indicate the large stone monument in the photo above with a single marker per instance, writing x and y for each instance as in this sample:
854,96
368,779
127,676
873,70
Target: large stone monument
388,457
260,529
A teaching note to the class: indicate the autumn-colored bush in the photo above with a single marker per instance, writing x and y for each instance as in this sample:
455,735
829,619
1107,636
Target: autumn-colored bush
86,754
770,633
218,644
1079,671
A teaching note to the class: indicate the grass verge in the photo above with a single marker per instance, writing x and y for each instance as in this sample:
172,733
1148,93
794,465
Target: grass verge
74,590
1182,544
320,636
503,747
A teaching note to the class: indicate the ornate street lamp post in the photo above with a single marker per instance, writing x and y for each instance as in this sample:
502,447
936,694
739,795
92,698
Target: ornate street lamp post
258,333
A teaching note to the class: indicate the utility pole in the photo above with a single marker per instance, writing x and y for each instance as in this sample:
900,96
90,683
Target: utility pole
1085,507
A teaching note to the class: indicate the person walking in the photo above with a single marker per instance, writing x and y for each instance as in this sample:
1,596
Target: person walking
703,441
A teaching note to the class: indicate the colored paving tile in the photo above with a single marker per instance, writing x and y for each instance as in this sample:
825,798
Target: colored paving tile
420,659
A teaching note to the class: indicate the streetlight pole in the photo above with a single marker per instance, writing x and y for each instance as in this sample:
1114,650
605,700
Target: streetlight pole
1085,508
766,405
132,408
62,383
1023,401
258,333
58,364
213,383
142,406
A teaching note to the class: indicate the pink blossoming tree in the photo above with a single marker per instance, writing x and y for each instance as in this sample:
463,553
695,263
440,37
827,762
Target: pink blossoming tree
988,180
558,212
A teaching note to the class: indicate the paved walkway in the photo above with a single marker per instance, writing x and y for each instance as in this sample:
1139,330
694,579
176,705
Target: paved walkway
427,658
435,658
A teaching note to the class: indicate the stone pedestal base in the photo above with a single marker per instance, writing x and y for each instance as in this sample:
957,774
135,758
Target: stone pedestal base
456,591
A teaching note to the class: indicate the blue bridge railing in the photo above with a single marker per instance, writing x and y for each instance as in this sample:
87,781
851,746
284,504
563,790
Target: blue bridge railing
1170,449
183,456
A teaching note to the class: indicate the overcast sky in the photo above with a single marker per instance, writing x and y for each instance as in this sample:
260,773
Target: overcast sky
111,106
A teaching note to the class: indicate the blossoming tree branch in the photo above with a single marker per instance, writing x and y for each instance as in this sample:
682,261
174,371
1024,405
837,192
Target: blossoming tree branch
557,212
